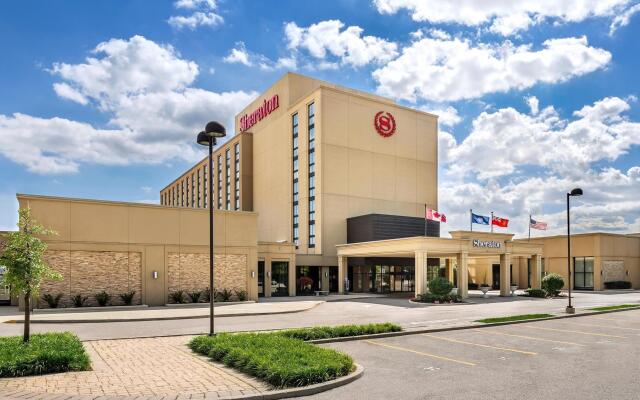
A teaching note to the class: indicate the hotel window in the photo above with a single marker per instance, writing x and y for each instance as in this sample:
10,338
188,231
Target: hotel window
219,182
193,195
236,170
312,165
296,215
199,190
227,165
205,182
182,195
583,273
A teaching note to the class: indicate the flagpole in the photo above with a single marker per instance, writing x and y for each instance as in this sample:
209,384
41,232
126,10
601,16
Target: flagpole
471,218
529,228
491,221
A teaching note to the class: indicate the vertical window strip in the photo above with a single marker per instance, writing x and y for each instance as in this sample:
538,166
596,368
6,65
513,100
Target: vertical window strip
205,183
312,133
237,175
193,197
220,182
295,208
227,156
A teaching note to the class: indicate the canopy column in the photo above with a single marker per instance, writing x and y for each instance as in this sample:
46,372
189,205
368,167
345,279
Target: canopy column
463,274
536,271
505,274
342,272
420,272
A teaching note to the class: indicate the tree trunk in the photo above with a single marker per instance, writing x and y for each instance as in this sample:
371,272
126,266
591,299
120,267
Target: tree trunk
27,317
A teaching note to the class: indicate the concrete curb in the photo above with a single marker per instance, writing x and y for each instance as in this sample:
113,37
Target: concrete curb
305,390
462,327
108,320
63,310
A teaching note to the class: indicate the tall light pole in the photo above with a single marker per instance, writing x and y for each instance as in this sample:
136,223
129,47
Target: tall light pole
574,192
212,131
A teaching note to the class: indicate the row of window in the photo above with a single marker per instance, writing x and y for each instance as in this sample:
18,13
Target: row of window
193,191
311,174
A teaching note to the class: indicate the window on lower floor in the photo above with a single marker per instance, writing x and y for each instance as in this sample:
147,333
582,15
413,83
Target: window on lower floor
583,272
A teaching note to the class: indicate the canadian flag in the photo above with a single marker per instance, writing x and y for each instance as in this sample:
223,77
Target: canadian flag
433,215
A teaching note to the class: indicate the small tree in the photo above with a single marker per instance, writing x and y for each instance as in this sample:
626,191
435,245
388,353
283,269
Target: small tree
552,284
22,255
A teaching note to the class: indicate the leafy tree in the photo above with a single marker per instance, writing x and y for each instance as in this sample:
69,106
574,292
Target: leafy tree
22,255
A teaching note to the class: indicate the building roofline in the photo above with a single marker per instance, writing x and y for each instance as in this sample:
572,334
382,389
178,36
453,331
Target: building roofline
632,235
115,202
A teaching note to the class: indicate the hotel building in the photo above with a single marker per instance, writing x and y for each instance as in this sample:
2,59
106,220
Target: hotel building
320,188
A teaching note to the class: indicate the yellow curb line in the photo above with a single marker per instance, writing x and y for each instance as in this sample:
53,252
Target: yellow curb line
581,333
532,338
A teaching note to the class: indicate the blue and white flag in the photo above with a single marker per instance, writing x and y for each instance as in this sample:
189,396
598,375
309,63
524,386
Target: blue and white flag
479,219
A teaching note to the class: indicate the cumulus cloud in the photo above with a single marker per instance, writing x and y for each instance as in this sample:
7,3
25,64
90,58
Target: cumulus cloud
447,116
144,89
348,46
515,164
203,13
238,55
623,19
504,17
454,69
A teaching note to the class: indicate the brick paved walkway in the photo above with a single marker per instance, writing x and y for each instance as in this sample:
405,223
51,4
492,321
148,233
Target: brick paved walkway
156,368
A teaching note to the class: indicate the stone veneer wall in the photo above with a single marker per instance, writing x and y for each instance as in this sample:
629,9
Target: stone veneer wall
190,271
90,272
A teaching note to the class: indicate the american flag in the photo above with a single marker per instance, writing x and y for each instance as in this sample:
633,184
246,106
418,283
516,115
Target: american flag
537,224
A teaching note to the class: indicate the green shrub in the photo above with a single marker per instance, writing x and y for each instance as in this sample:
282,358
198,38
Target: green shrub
440,286
326,332
44,353
206,295
102,298
536,293
195,296
79,300
432,298
274,358
223,295
241,295
552,283
127,298
177,297
473,286
52,301
617,285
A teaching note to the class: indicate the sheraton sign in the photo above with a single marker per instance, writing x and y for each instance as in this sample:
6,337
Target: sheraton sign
267,107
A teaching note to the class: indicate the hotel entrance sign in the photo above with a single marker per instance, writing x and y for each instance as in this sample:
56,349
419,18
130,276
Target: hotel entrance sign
493,244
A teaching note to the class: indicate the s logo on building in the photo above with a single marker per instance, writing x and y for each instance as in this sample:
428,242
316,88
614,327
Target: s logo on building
385,124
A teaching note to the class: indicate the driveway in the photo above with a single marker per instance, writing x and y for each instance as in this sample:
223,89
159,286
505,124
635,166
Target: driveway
591,357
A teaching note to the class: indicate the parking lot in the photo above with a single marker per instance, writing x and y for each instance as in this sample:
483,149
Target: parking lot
592,357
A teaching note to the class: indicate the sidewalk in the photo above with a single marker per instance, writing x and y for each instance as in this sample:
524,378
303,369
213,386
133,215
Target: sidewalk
165,313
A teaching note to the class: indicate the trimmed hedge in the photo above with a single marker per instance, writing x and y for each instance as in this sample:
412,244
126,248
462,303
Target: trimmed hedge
536,293
552,284
326,332
279,360
44,353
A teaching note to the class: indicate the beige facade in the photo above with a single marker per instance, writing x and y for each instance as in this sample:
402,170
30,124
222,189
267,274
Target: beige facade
152,250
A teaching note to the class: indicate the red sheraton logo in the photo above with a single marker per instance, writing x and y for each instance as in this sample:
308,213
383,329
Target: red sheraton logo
267,107
385,124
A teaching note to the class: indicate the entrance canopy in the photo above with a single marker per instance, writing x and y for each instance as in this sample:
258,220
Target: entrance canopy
461,246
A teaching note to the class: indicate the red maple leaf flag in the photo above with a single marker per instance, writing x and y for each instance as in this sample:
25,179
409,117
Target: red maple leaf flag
501,222
433,215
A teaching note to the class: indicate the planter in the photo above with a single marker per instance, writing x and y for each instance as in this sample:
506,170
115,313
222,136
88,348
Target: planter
513,290
485,290
454,292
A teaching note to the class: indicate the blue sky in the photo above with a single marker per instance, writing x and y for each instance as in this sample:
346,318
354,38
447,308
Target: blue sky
101,99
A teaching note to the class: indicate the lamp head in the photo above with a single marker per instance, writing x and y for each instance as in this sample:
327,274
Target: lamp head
203,138
576,192
215,129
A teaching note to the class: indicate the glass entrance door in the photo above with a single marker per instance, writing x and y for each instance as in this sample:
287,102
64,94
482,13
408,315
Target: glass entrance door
260,278
279,278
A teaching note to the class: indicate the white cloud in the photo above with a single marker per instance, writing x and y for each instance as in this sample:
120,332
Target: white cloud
505,17
623,19
534,104
599,132
447,116
65,91
454,69
238,55
327,38
145,90
203,14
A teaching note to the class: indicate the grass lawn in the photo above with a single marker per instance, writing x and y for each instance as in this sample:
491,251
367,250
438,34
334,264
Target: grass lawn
618,307
327,332
522,317
45,353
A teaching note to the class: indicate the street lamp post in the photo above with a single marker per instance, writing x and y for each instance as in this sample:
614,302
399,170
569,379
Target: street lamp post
212,131
574,192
